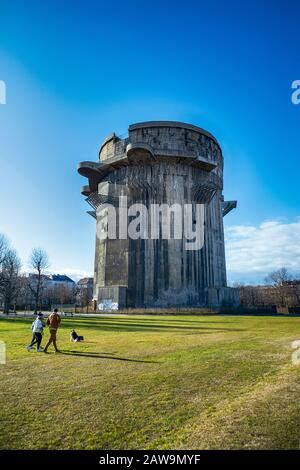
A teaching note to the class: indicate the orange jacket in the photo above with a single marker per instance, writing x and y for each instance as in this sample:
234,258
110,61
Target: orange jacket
53,320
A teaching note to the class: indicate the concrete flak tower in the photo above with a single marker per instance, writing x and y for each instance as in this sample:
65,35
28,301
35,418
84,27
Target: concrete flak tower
160,164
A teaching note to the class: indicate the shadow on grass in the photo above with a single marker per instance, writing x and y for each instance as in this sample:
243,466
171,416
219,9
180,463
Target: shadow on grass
113,325
101,356
137,324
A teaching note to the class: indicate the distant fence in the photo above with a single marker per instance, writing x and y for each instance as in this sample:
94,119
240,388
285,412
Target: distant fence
84,310
67,308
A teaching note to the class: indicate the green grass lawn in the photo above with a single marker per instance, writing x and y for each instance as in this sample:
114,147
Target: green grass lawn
167,382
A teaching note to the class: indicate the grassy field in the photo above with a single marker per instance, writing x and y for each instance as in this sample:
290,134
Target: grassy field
181,382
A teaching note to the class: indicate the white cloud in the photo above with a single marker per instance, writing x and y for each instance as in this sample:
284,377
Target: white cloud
254,251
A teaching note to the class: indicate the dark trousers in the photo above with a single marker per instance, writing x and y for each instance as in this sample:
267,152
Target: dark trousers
37,339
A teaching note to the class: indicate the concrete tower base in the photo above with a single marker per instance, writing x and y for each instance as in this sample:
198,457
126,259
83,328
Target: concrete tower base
115,298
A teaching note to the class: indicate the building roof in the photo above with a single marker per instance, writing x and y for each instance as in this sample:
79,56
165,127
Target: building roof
35,276
85,280
61,278
294,282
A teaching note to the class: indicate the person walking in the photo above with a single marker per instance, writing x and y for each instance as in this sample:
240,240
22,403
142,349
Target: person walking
53,321
33,334
37,330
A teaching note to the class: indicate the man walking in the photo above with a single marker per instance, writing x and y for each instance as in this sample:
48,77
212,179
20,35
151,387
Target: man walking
53,322
37,330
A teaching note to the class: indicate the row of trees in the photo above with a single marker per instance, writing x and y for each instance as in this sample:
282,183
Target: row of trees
285,286
36,290
281,289
12,283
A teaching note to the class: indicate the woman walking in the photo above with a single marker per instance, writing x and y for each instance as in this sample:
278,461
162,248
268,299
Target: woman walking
37,330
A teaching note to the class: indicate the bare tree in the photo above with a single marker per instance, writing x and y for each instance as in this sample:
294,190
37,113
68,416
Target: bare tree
250,295
84,293
24,295
10,272
296,292
83,297
277,279
39,262
3,248
3,254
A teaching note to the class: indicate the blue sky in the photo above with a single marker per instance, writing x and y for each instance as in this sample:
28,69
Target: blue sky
76,71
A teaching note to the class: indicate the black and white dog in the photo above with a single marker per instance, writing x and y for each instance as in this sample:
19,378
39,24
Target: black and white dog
74,337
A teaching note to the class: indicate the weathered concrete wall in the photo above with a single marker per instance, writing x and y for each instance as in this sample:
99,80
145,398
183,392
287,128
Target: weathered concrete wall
163,272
